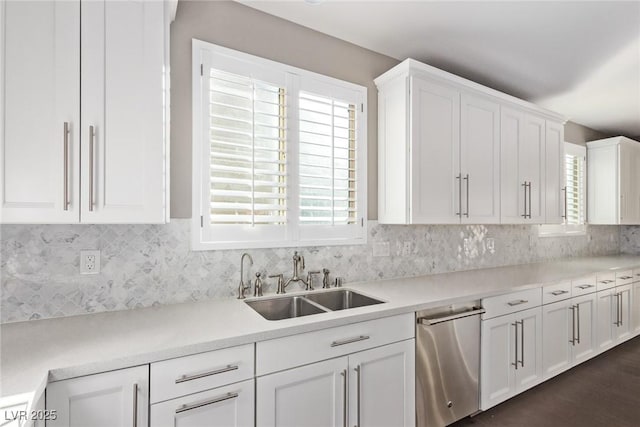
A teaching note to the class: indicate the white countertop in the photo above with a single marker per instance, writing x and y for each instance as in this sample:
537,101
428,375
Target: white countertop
34,353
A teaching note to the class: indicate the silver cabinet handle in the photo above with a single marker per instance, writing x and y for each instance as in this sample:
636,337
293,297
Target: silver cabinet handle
65,202
218,399
578,321
344,397
583,287
626,277
564,216
518,302
557,293
459,178
185,378
607,281
350,340
429,322
467,179
617,322
621,308
358,370
92,134
135,405
573,325
529,199
521,343
525,200
515,325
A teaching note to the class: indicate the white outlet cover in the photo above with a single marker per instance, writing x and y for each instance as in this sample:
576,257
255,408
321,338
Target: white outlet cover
89,262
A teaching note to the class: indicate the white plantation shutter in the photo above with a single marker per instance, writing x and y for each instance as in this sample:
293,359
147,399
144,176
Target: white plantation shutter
575,187
247,150
279,154
327,152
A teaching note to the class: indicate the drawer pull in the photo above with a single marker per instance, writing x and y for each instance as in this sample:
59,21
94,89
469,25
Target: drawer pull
556,293
626,277
228,368
583,287
606,281
350,340
514,303
227,396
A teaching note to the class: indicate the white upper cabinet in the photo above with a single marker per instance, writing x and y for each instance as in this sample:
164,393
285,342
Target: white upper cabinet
612,181
105,62
40,115
451,151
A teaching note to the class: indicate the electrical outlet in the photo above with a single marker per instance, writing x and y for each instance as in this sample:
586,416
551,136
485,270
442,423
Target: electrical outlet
406,248
89,262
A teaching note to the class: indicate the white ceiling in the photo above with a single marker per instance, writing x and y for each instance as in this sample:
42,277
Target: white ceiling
581,59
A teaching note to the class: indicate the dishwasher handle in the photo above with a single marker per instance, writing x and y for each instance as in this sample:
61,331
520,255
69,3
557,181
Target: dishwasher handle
434,321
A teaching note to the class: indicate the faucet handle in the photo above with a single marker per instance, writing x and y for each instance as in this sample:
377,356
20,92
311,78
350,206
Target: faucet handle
338,282
280,278
310,274
325,279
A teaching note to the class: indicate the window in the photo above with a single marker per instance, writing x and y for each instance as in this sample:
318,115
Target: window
575,193
279,154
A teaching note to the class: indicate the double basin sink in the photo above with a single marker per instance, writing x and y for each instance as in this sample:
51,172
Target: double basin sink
288,307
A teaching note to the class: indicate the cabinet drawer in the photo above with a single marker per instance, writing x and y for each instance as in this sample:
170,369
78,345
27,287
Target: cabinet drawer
624,277
203,371
284,353
583,286
605,280
512,302
556,292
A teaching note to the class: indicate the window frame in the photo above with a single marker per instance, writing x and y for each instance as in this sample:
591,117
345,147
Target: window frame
292,234
564,229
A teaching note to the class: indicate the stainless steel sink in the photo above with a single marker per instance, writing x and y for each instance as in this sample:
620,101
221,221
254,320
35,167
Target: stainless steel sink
342,299
288,307
284,307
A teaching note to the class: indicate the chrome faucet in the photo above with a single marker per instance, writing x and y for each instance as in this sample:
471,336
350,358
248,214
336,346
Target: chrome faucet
325,279
257,285
242,288
297,260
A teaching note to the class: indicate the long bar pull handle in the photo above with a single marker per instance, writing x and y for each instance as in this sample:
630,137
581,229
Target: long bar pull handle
429,322
459,178
573,325
467,179
583,287
529,199
517,302
91,138
227,368
564,215
621,308
344,397
515,325
524,185
617,322
350,340
135,405
578,321
227,396
65,202
559,292
521,343
358,370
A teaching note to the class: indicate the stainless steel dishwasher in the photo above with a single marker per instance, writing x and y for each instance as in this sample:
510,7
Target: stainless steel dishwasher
447,364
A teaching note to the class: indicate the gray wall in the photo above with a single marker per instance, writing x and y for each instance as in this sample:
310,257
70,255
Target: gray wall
242,28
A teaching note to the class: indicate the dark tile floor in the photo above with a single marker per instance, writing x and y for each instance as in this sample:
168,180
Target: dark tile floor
602,392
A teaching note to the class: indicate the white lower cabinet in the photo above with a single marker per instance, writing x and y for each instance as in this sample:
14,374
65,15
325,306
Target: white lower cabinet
568,329
635,307
614,316
229,406
511,355
116,398
374,388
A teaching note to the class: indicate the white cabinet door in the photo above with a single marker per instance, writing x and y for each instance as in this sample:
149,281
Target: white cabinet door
584,346
229,406
554,173
622,312
497,360
116,398
627,186
435,153
512,192
605,308
39,94
382,386
480,160
558,330
529,373
123,122
531,159
312,395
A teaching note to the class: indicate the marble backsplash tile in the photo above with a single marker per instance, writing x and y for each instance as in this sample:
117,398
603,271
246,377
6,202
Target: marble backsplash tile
630,239
146,265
